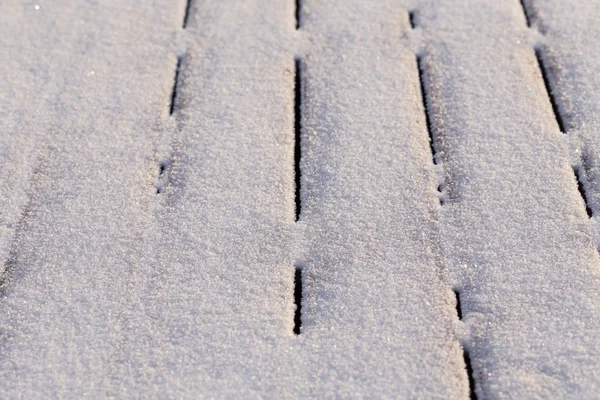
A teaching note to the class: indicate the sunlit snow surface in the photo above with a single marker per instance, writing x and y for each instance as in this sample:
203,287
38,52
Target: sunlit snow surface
149,254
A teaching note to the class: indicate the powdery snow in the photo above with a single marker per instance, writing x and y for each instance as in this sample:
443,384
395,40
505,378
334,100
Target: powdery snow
149,254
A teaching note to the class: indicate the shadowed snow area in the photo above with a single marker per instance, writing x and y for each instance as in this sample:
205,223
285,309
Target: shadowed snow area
422,177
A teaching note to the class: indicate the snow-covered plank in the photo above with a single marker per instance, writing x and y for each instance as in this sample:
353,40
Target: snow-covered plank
518,242
27,91
567,33
378,317
568,37
218,297
88,81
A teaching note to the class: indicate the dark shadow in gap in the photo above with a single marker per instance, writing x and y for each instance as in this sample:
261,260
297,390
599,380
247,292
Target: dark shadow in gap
421,70
469,367
411,19
526,12
298,300
582,193
297,136
458,305
175,84
545,77
187,13
298,6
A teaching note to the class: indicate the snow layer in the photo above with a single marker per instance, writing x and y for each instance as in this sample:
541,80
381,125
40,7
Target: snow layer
377,309
152,255
518,243
83,100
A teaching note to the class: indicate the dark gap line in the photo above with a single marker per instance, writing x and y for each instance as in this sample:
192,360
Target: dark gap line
297,135
175,84
526,13
161,172
10,263
555,109
411,19
297,13
581,189
467,358
440,190
298,300
187,13
458,305
469,367
426,108
7,273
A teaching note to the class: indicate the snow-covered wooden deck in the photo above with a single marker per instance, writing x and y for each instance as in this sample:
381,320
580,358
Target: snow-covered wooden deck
421,176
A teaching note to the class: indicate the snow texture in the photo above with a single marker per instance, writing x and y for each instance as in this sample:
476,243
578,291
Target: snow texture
148,239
